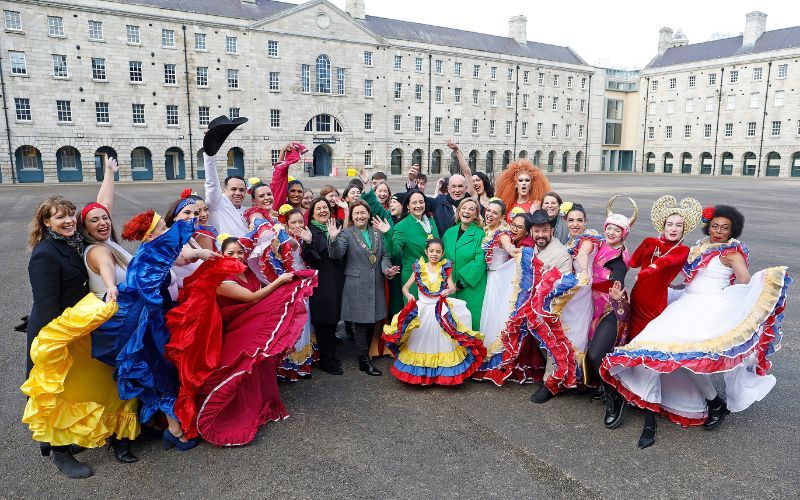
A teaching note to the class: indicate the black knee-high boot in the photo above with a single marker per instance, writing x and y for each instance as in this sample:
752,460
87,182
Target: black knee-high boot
648,437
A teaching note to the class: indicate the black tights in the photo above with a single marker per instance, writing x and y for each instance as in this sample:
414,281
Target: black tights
602,343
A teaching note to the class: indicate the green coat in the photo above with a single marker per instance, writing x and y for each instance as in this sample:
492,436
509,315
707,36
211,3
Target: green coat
406,241
469,267
395,284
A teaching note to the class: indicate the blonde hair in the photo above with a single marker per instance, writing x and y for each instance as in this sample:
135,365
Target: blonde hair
46,209
478,221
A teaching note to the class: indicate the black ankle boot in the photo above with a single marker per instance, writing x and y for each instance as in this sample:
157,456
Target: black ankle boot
68,465
615,404
717,411
648,437
365,365
542,395
122,450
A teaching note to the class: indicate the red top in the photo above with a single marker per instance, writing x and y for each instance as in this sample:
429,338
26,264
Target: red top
526,207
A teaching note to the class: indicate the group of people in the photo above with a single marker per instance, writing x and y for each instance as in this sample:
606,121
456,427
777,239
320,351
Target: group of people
187,338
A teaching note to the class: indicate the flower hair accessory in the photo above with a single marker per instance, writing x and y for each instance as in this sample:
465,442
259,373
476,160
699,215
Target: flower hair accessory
517,210
565,208
284,209
252,182
187,193
708,214
222,237
290,178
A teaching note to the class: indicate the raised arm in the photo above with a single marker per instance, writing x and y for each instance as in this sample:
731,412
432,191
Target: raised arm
105,196
280,178
213,187
236,291
463,165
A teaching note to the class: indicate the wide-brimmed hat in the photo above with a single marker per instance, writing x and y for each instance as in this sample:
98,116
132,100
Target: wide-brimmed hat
218,130
540,217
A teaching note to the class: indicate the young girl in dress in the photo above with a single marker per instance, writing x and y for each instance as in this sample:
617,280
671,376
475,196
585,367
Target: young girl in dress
430,336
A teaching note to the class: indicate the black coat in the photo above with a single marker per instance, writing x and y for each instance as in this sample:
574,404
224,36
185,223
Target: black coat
443,211
326,302
58,281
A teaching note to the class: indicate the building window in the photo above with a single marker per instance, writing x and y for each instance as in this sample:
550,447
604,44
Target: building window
170,77
583,105
729,130
398,90
651,108
19,66
437,125
418,64
55,26
367,58
524,129
60,66
437,65
417,124
668,132
233,112
202,76
754,100
13,20
709,104
138,114
64,109
525,101
133,34
95,30
526,77
398,62
734,75
583,86
555,82
368,158
274,81
751,129
757,72
541,78
397,123
418,92
779,94
476,71
783,70
437,93
580,131
492,126
569,104
98,69
510,74
135,71
203,113
692,81
272,48
493,73
23,108
340,81
275,118
367,121
233,78
554,131
457,69
567,130
509,99
305,78
653,85
457,126
673,83
231,45
540,102
200,41
101,112
776,129
172,114
475,126
274,155
539,127
687,131
367,88
670,106
712,78
168,39
457,95
555,103
509,127
707,130
651,132
569,82
689,105
731,102
323,74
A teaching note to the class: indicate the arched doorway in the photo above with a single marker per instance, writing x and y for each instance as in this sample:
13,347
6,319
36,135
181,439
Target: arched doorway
523,154
323,160
454,167
796,165
727,164
174,167
416,157
686,163
201,165
551,160
141,164
490,161
668,163
68,165
506,158
651,162
578,160
102,154
29,164
396,161
773,164
473,160
749,166
565,161
537,158
706,164
436,161
235,162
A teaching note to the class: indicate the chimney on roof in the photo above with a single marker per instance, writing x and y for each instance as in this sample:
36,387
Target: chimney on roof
754,26
664,39
518,29
680,39
356,9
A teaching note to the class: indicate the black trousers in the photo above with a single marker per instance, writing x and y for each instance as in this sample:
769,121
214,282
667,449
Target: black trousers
326,342
362,335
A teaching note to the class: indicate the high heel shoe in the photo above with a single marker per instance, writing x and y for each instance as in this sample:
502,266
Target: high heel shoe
122,450
171,440
717,411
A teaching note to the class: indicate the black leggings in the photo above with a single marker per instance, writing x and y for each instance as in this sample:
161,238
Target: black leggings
602,343
326,342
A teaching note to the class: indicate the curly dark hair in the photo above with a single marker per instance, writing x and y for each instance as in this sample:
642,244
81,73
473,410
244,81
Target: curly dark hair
488,187
730,213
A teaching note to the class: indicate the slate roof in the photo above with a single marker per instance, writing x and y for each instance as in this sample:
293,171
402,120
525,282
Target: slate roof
387,28
728,47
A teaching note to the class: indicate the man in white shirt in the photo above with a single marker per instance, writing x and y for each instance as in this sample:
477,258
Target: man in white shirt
224,201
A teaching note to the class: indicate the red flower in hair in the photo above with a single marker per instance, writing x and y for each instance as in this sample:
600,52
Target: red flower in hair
186,193
708,213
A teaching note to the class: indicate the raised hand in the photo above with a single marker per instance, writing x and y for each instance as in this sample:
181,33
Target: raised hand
452,145
304,233
206,254
381,225
112,164
615,292
333,229
362,174
412,173
392,271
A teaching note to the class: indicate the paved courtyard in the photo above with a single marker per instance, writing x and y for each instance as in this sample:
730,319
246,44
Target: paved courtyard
374,437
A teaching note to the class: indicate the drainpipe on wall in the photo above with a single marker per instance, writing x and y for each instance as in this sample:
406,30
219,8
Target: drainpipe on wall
588,114
8,124
516,117
764,119
188,102
644,131
716,131
430,82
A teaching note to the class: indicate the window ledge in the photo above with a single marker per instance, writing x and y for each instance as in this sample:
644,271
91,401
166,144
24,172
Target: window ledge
170,84
136,83
140,125
200,50
275,91
169,48
134,44
174,126
103,124
62,78
99,40
234,89
66,124
57,36
99,81
24,122
20,75
15,31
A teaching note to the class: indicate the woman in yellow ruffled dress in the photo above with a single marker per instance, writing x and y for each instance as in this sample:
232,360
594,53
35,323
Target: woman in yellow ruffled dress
73,398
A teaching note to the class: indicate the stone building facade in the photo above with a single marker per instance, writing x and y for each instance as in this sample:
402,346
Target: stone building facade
139,80
723,107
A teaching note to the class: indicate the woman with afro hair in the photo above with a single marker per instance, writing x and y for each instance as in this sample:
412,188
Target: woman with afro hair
522,185
725,321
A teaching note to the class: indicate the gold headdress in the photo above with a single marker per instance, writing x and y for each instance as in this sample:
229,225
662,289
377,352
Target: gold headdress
689,208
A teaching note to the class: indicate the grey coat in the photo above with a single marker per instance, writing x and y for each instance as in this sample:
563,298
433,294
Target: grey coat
363,299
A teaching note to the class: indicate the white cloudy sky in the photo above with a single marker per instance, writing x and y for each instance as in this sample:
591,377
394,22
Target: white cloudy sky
621,34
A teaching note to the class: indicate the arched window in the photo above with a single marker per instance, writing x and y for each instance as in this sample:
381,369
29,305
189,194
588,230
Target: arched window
397,161
506,158
564,161
436,161
323,123
523,154
537,158
323,74
749,167
578,161
773,164
473,159
796,165
68,164
416,157
667,163
727,164
490,161
141,164
651,162
706,164
551,160
686,163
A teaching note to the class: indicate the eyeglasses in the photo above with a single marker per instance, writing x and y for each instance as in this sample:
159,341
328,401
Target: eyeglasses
517,227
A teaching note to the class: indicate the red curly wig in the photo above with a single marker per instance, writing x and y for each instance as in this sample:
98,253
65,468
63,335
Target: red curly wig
135,229
506,184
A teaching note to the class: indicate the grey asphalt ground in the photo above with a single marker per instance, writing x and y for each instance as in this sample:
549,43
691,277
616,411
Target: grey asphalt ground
356,436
